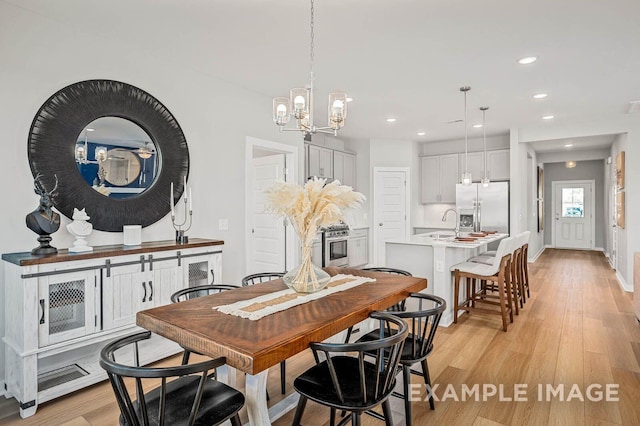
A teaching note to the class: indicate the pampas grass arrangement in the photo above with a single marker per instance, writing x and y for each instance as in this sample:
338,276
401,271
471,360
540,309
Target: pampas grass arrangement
315,205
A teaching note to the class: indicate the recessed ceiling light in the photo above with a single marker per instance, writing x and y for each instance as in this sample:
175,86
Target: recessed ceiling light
390,120
527,60
540,95
349,99
548,117
568,145
422,133
477,126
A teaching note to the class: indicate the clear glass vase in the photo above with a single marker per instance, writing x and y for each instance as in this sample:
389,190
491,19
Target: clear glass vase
306,277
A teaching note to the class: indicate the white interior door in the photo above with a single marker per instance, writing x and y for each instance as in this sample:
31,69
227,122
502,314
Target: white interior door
268,235
390,212
573,206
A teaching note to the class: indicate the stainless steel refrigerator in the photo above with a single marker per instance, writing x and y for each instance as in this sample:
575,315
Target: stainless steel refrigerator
483,209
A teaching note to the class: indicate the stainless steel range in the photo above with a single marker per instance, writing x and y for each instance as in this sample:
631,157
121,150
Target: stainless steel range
335,250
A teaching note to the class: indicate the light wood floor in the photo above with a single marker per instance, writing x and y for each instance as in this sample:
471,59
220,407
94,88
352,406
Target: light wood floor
578,328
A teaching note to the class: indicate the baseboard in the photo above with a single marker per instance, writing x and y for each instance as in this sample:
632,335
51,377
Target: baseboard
610,260
599,249
536,256
623,284
549,246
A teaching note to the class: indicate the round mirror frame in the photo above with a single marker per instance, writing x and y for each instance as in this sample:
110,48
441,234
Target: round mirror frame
51,151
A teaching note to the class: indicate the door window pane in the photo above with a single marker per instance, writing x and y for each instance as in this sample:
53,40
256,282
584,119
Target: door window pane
572,202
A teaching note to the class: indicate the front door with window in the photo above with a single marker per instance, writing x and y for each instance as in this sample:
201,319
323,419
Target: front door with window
573,215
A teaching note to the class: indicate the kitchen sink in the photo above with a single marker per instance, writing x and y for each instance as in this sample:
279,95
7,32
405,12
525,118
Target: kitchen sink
441,235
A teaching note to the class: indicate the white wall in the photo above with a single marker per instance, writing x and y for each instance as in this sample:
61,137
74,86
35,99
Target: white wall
536,239
627,244
40,56
456,146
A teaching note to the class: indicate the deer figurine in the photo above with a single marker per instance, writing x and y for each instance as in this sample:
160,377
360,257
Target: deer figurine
43,220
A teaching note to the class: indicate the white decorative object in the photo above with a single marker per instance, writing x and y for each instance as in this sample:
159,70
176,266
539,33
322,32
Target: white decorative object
80,229
132,235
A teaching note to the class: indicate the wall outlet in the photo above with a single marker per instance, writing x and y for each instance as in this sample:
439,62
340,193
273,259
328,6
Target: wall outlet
223,224
439,266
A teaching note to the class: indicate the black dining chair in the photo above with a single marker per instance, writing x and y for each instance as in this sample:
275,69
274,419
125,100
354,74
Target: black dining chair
423,324
398,307
345,380
260,278
192,293
191,398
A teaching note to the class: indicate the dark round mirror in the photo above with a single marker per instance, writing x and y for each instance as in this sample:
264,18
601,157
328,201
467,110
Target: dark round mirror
125,183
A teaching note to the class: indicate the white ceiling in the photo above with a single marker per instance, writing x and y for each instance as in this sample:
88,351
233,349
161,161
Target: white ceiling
588,143
401,58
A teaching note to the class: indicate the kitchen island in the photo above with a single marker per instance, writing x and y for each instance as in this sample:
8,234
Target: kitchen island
431,256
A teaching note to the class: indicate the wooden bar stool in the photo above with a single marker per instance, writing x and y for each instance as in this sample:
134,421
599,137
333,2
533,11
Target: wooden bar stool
519,271
498,273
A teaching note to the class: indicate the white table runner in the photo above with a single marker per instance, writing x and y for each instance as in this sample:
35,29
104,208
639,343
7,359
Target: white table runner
268,304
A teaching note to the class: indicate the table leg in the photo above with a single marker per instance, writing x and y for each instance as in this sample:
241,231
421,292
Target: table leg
226,375
256,398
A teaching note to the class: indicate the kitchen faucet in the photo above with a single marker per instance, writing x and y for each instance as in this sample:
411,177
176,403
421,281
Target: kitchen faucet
444,219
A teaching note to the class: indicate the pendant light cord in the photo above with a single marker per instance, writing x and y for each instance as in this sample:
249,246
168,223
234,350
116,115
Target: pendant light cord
312,41
484,137
466,153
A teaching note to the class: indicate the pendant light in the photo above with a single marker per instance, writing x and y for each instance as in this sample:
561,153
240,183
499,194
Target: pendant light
466,178
485,179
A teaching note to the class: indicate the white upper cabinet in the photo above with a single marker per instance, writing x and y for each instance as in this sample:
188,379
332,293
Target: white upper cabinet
475,165
498,164
344,168
320,162
439,177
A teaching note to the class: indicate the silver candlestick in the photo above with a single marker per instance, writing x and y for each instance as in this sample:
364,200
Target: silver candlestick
181,237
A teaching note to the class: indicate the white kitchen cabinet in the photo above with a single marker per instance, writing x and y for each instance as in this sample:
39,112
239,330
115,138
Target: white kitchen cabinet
475,165
61,309
320,162
439,175
316,250
344,168
498,164
358,248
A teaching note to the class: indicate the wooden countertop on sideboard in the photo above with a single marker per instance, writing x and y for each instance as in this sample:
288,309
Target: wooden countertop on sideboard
63,255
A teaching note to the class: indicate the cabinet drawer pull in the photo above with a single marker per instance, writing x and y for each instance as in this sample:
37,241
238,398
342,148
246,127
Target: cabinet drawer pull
151,290
213,277
144,286
42,307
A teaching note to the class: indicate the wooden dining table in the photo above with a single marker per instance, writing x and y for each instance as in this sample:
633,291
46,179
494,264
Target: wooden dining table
254,346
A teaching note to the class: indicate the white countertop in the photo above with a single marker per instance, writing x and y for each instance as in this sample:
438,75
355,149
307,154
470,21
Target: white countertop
428,240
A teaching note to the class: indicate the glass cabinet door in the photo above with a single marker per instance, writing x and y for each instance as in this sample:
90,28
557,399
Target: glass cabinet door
67,306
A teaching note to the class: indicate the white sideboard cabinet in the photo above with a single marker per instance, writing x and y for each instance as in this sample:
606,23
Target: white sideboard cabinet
60,310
